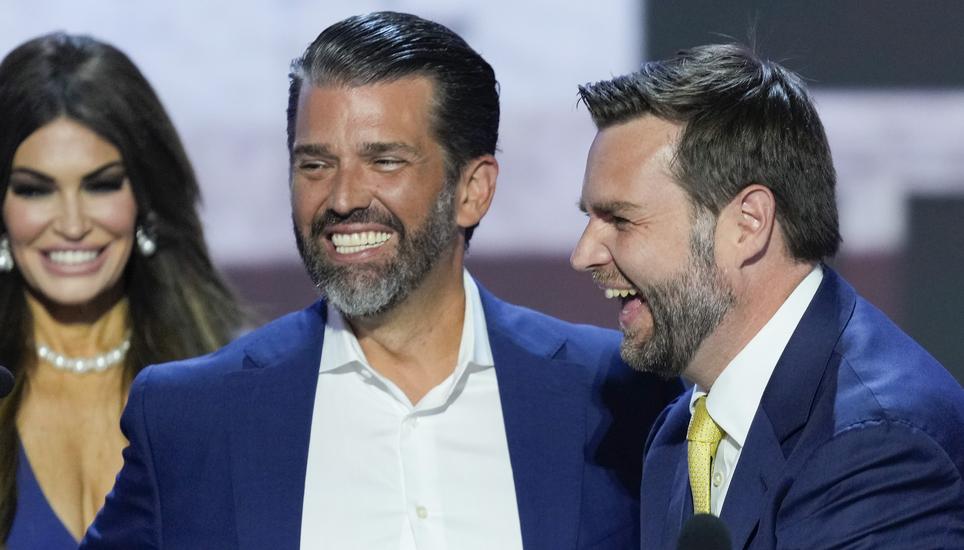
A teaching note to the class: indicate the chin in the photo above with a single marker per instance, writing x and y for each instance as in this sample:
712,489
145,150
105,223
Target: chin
639,332
74,295
71,299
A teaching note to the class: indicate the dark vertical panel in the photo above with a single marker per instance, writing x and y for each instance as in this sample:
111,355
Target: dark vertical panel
935,278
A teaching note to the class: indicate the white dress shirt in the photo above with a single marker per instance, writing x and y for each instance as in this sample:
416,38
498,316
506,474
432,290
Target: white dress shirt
385,474
736,394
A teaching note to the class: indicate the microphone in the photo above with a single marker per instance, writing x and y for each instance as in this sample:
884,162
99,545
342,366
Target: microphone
704,532
6,382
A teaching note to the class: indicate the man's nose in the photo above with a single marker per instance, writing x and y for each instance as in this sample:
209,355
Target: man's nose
589,253
350,191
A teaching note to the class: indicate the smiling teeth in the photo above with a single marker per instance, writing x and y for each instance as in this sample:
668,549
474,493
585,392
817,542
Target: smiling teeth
72,257
349,243
619,293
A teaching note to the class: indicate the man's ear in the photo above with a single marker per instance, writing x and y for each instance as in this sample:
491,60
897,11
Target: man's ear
748,222
476,190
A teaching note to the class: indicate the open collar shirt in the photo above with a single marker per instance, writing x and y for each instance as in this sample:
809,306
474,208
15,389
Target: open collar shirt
386,473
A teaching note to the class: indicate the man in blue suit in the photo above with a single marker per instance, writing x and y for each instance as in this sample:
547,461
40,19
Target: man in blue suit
814,422
410,408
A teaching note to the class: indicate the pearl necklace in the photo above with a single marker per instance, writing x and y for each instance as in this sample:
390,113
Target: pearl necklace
81,365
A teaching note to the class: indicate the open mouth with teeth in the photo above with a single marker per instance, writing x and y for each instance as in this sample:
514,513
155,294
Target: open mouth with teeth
620,292
72,257
633,304
351,243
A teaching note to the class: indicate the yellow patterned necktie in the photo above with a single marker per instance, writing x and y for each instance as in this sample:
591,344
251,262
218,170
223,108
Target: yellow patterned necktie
703,437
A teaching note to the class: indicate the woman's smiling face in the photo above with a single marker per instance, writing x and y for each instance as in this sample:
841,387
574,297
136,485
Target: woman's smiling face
69,213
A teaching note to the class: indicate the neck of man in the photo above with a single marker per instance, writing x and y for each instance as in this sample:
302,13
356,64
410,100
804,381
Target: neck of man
759,291
416,343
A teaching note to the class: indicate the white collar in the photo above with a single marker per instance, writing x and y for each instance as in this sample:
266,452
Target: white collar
341,348
737,392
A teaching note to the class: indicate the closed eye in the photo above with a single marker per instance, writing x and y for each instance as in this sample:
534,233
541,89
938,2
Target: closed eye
388,164
31,190
312,165
106,185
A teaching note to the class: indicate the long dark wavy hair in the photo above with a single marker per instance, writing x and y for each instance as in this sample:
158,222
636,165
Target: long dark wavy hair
178,304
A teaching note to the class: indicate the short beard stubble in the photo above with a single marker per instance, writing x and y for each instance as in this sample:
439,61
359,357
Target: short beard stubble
368,290
686,308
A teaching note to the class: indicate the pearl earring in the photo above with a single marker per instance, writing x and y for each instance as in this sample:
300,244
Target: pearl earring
6,257
145,243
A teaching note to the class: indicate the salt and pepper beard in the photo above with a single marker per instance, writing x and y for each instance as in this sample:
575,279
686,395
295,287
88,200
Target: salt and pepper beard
369,289
686,308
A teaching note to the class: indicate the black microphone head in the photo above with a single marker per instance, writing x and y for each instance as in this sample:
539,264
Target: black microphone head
6,382
704,532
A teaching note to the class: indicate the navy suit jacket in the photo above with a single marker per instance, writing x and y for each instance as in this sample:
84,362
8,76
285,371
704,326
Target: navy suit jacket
858,443
219,444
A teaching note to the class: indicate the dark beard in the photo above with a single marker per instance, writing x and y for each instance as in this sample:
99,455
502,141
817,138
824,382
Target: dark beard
685,309
372,289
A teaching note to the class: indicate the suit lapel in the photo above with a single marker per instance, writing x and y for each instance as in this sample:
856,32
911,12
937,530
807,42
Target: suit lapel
544,405
786,406
664,493
757,471
273,400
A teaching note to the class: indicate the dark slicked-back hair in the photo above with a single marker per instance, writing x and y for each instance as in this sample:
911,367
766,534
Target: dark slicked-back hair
387,46
745,121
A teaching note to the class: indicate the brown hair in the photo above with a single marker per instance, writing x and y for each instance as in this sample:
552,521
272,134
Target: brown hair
746,120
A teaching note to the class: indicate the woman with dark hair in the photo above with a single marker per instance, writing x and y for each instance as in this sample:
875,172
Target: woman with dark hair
103,270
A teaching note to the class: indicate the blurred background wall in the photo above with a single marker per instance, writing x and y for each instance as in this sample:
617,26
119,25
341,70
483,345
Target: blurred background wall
888,77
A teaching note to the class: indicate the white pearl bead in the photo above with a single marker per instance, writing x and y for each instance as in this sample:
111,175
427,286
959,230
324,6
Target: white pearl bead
85,364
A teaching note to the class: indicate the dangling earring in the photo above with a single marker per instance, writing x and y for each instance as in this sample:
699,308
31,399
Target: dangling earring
6,257
145,242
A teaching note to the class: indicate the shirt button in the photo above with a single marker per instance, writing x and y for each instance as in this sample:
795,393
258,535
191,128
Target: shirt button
421,512
717,479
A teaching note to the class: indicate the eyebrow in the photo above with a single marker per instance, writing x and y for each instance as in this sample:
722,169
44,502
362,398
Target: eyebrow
367,149
311,150
97,172
381,148
608,207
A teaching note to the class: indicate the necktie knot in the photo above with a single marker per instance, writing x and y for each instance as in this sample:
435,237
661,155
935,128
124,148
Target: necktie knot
704,437
702,428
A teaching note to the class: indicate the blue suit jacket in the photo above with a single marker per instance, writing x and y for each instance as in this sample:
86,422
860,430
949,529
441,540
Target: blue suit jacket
219,444
858,443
